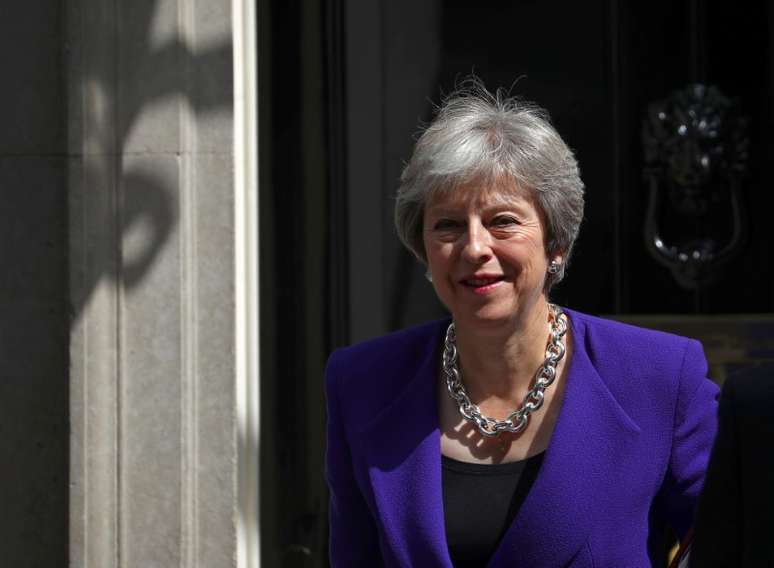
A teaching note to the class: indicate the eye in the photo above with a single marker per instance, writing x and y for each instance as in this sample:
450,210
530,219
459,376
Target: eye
504,221
446,225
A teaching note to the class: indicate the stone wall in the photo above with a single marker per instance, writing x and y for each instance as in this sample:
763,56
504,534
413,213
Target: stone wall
153,456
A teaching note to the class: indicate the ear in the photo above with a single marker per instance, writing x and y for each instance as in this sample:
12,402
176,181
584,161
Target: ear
557,256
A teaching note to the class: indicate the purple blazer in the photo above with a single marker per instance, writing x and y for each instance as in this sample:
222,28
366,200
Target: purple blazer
628,453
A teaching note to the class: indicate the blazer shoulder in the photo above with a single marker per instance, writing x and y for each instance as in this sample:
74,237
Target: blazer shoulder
636,362
376,369
390,349
606,339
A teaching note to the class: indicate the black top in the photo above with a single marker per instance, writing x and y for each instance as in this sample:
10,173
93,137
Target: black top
480,502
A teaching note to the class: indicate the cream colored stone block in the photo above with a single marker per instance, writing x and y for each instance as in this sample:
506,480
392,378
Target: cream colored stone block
152,251
214,326
152,368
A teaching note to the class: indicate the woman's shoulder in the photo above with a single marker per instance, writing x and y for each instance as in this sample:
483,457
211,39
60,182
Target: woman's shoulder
626,338
379,367
646,357
403,342
649,372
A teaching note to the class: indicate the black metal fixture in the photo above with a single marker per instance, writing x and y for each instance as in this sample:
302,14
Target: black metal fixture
696,150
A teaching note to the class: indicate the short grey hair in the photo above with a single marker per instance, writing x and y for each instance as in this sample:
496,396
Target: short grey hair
482,136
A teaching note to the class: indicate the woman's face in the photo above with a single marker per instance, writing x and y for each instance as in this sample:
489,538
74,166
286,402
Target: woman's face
485,249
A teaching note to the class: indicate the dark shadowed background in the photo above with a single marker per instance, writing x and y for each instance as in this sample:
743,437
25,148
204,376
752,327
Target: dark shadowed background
344,89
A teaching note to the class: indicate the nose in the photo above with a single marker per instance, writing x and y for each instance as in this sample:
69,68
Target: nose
476,247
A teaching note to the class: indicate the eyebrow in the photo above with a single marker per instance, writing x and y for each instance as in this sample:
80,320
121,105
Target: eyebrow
508,205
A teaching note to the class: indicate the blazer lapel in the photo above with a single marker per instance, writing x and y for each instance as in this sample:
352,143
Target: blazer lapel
572,488
402,452
401,449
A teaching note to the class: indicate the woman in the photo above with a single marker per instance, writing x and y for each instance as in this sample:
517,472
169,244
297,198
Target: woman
519,433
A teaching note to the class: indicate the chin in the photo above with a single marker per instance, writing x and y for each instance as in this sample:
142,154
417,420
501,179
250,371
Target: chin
486,318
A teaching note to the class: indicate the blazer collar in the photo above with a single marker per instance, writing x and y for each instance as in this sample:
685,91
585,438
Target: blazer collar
572,488
402,449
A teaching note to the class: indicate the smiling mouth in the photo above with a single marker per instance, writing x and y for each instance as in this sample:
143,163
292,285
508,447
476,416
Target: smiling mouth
481,282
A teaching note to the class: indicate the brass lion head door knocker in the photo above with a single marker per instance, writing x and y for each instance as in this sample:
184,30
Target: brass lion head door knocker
696,152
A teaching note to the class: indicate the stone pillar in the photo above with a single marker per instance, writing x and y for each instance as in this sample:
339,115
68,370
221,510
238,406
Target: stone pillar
159,395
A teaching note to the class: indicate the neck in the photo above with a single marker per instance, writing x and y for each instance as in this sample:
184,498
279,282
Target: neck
502,364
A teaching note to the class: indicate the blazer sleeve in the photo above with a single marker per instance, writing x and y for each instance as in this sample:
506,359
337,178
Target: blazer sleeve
353,540
694,428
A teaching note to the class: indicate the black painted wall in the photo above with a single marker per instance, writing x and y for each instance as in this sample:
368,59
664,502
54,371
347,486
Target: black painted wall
34,319
596,66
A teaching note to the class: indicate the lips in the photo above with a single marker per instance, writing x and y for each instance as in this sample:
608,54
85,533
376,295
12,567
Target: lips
478,280
482,283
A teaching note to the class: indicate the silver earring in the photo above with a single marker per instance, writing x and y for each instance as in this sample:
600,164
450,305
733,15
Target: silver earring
553,267
428,276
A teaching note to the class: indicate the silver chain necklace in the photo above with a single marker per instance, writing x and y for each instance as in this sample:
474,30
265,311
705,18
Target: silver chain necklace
533,400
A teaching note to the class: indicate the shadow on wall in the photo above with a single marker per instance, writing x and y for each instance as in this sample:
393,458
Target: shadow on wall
35,162
147,205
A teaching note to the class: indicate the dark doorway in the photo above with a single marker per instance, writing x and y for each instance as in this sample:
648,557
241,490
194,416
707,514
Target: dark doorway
343,88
